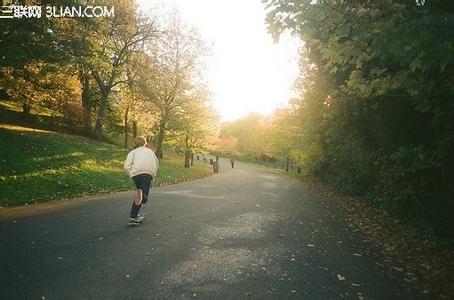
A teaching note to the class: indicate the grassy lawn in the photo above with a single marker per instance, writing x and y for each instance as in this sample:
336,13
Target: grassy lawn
17,107
38,166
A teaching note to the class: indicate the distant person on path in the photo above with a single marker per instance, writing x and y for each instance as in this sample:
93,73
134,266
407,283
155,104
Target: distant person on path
141,165
232,162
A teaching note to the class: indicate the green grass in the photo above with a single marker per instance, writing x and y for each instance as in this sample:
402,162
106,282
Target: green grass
39,166
35,110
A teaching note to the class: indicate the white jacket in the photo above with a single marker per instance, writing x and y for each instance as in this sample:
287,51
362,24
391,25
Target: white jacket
141,161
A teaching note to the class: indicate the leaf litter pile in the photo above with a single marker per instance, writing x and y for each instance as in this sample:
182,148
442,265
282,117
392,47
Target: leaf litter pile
422,263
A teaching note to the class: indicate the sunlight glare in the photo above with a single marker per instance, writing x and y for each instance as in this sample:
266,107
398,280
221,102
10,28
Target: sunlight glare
247,71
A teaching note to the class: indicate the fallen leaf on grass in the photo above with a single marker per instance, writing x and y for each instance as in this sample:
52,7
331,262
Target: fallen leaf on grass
340,277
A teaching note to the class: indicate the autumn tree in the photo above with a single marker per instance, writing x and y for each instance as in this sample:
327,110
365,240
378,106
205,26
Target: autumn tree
195,126
174,62
117,39
30,53
250,134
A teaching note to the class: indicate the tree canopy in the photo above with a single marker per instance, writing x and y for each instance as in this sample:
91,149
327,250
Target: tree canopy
130,73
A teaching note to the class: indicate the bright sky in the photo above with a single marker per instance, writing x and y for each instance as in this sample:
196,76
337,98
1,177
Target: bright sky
247,71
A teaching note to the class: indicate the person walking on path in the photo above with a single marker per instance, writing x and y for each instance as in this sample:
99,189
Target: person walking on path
232,162
141,165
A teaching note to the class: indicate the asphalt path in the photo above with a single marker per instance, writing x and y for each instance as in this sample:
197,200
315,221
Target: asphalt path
243,233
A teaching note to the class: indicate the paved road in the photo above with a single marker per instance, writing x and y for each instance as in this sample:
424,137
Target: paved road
244,233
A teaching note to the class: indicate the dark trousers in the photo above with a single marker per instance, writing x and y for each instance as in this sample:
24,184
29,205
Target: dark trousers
143,182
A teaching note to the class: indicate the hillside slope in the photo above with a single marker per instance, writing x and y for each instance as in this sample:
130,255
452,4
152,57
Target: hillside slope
38,166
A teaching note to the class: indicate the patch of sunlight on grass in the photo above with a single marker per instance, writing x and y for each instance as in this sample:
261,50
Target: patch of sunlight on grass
58,156
35,110
22,129
9,105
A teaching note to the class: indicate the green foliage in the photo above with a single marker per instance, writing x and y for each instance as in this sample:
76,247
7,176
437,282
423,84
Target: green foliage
375,114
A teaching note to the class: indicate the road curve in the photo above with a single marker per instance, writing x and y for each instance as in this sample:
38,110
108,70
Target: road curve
244,233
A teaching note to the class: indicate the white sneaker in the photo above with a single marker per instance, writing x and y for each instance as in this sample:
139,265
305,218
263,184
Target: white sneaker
135,221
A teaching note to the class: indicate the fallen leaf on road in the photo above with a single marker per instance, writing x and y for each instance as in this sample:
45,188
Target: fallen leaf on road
101,238
59,257
340,277
355,284
310,245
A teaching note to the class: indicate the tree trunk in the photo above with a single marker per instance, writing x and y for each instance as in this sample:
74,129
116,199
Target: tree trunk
126,127
187,152
102,114
25,110
86,103
134,128
160,139
287,164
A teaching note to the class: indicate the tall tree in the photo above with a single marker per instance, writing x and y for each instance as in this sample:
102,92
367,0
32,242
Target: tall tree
118,37
195,126
175,62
